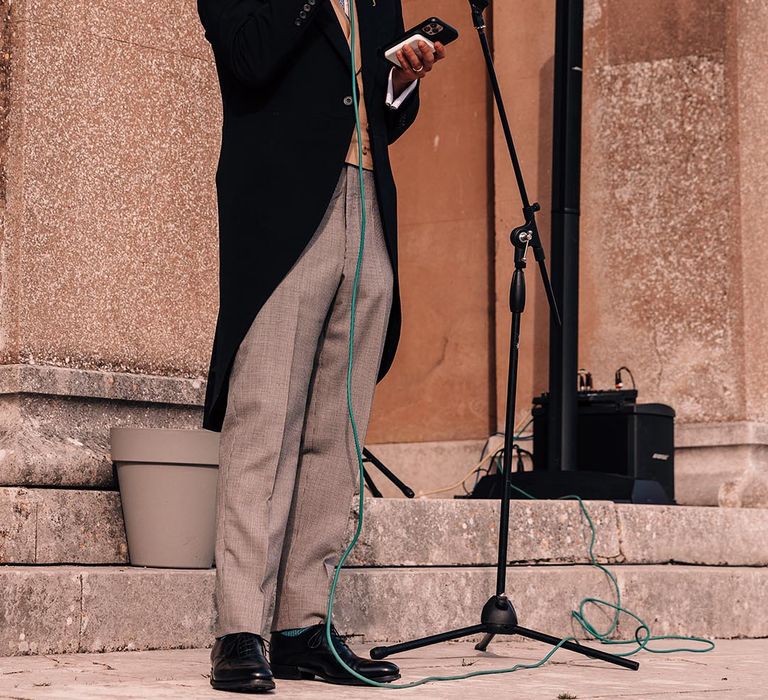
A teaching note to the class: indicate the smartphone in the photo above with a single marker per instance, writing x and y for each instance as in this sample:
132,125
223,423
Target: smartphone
429,31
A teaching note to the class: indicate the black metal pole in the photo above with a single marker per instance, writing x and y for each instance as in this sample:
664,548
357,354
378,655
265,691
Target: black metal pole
564,246
516,307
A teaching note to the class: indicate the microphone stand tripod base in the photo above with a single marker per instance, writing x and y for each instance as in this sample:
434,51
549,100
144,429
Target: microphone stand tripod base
499,617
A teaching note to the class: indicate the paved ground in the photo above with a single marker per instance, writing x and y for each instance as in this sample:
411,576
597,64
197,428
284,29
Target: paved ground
735,669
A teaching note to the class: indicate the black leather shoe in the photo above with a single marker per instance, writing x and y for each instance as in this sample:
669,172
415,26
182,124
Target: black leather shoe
238,664
307,655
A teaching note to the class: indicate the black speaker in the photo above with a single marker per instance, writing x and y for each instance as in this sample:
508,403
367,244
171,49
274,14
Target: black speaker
616,435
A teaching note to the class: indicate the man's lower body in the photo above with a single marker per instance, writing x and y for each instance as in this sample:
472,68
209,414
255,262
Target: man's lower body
288,472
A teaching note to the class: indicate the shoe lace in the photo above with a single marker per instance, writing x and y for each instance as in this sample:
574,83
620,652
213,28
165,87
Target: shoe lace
339,639
335,634
249,644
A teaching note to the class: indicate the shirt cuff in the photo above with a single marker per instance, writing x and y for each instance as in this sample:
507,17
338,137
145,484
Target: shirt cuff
393,103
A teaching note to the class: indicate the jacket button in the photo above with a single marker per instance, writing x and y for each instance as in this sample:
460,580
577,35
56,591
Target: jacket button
347,100
297,22
307,7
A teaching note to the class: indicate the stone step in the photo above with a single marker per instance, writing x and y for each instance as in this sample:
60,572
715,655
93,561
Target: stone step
58,526
60,609
465,532
54,526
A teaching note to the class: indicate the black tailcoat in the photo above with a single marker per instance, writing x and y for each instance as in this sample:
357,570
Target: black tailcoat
284,70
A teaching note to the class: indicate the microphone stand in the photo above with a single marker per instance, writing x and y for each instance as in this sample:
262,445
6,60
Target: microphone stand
498,616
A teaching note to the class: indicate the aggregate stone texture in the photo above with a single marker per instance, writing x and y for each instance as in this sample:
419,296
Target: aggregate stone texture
700,472
101,384
734,671
722,464
711,601
18,526
750,490
751,60
705,601
465,532
63,441
116,119
671,28
51,526
54,526
145,608
82,527
40,610
713,536
664,292
721,434
392,604
63,608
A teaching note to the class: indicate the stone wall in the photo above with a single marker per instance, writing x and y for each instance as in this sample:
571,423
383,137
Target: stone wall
660,253
441,384
110,119
672,232
109,253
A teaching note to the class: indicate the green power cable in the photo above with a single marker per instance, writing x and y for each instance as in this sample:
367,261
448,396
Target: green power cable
579,615
643,632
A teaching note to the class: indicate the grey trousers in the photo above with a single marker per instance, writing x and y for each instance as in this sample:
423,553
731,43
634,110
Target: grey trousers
288,471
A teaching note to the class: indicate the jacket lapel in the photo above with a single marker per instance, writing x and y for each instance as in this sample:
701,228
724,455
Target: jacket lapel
366,19
330,25
332,29
367,32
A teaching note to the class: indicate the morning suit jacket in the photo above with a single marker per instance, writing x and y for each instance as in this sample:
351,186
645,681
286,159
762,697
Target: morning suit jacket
284,70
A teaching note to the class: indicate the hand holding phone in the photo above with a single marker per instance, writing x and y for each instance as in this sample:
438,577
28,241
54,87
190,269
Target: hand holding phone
429,31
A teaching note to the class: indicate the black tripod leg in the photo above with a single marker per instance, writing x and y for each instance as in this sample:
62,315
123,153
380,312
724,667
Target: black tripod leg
406,490
381,652
371,485
482,645
578,648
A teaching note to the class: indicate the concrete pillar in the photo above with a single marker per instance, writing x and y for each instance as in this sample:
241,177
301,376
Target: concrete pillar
747,66
108,259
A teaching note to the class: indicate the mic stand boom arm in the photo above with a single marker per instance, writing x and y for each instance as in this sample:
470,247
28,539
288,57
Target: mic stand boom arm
529,228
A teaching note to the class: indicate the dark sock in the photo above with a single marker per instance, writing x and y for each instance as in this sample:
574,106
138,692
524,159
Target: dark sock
293,632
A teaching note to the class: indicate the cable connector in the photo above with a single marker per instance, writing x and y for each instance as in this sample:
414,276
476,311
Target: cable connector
618,379
585,380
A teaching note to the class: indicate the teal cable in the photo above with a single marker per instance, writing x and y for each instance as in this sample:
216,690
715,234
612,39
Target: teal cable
350,410
579,615
643,632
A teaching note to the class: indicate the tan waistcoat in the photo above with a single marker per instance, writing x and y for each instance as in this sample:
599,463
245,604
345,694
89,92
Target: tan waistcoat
352,153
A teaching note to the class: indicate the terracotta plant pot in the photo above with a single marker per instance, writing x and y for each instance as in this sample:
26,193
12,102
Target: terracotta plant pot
167,480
